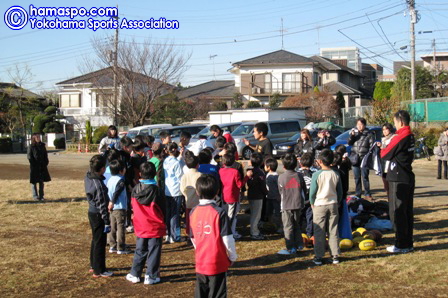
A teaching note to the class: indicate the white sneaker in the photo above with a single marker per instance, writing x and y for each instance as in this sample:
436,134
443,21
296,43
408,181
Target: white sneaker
130,229
104,274
151,281
123,252
396,250
112,250
132,278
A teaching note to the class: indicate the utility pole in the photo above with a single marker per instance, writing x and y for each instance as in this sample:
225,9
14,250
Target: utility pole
414,19
436,72
115,73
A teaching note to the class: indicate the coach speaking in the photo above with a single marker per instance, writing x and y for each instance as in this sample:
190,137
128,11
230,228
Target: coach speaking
400,153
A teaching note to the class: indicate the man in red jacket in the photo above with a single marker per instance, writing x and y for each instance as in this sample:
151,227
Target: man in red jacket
149,226
400,154
212,239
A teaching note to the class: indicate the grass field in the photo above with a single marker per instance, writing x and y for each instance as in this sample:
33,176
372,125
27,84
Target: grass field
45,249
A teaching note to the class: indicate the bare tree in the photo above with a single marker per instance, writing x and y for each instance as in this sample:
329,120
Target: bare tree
320,105
145,71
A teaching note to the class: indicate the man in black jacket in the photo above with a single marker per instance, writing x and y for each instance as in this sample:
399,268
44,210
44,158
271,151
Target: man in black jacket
361,139
400,153
98,200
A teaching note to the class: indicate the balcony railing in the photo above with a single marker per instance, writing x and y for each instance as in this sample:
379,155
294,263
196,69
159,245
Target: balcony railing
103,111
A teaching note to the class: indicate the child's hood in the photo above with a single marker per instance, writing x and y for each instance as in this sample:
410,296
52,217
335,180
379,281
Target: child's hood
145,193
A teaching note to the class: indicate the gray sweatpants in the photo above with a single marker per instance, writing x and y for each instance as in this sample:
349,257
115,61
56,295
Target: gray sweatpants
255,215
117,236
291,227
322,215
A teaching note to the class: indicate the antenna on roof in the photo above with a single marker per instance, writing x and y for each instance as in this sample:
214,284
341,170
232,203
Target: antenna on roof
281,32
212,57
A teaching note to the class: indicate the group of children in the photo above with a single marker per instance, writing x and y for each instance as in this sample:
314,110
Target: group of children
155,183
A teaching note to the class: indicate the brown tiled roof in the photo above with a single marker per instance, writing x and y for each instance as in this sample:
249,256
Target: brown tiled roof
333,65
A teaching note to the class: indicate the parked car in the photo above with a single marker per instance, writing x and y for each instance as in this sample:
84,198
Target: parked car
122,134
278,131
230,127
281,149
175,131
146,130
342,139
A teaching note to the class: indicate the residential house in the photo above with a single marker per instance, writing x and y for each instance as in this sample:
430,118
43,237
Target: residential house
340,78
89,97
437,59
371,74
350,54
222,90
281,72
406,64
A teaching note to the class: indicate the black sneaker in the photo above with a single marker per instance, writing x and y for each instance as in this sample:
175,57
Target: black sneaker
317,261
335,260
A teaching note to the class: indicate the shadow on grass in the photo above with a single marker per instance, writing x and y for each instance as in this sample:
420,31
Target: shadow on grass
431,225
431,194
62,200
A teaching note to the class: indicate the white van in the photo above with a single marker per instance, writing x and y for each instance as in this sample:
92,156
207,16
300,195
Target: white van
146,130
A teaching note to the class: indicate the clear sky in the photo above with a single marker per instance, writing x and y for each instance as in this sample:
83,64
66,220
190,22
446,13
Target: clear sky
230,31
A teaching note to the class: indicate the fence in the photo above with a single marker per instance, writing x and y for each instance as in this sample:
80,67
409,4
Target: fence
349,115
428,110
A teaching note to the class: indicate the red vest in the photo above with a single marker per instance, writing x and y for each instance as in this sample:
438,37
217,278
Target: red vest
211,253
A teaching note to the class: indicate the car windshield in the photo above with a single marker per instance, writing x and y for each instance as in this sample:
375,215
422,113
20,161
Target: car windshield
344,136
132,134
155,132
294,137
205,132
243,129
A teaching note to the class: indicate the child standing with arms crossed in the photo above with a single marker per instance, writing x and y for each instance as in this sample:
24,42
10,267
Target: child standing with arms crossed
256,194
149,226
212,238
98,200
325,196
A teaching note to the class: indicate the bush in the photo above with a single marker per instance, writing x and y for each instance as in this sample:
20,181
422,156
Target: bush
59,143
5,145
253,104
39,123
99,134
53,127
50,110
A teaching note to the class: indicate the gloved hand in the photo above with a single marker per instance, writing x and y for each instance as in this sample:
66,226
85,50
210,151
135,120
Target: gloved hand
106,229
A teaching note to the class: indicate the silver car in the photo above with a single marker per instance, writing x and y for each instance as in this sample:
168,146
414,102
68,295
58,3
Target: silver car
278,131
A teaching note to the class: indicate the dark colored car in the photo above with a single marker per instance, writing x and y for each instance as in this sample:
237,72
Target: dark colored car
343,138
288,147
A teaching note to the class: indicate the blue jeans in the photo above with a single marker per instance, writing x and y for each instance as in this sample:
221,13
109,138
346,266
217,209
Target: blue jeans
173,205
364,173
37,194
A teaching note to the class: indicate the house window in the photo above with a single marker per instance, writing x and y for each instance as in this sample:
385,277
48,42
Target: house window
70,100
103,100
262,84
317,79
291,83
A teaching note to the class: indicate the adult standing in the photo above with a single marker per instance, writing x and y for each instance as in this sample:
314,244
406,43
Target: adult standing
38,158
264,146
325,141
388,134
304,144
361,139
109,140
443,159
400,153
217,131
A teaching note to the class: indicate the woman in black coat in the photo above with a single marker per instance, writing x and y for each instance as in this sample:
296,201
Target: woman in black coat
305,144
38,158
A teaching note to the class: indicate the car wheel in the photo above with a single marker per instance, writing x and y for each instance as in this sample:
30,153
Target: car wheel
247,152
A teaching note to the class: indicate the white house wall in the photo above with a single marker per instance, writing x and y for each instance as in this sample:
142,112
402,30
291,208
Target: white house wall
257,115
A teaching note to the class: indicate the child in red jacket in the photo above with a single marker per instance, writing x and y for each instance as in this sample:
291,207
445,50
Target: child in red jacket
149,226
231,187
212,239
